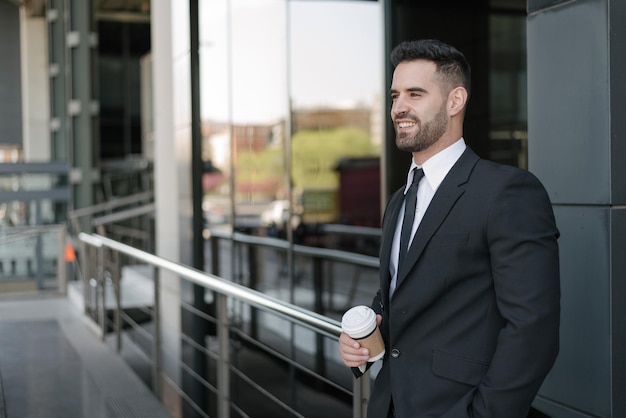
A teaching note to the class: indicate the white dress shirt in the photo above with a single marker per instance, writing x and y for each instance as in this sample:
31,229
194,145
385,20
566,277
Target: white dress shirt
435,170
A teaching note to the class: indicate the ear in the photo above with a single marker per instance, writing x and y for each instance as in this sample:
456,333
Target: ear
457,99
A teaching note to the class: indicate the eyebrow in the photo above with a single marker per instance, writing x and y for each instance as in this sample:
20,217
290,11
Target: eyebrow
411,89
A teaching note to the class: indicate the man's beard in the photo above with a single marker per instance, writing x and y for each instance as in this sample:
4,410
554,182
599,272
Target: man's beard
427,134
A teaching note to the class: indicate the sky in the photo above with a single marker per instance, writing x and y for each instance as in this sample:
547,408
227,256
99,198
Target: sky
328,53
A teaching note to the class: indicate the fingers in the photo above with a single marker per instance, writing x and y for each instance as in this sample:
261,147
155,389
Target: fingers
352,354
379,319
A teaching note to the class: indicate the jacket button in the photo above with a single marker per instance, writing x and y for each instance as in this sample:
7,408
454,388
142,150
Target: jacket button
395,353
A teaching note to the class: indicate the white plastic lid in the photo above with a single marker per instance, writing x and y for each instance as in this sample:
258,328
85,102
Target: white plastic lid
358,321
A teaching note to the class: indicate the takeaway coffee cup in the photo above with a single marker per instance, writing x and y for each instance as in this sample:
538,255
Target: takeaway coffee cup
359,323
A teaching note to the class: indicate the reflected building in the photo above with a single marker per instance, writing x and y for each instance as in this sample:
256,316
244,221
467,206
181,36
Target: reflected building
322,119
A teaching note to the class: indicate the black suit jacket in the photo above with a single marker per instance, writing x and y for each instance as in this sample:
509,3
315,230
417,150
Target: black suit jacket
473,326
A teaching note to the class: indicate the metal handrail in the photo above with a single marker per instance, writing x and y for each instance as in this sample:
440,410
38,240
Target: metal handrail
34,168
104,216
61,192
325,253
340,229
222,286
223,290
17,233
124,215
111,204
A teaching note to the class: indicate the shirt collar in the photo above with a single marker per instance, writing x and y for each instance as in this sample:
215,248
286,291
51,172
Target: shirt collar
437,167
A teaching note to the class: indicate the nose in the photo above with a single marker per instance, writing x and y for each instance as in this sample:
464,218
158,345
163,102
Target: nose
398,107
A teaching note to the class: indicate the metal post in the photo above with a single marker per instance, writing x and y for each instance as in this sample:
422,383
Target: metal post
361,395
156,341
116,277
253,282
81,43
85,251
62,267
197,327
215,255
223,366
39,248
58,67
100,291
318,283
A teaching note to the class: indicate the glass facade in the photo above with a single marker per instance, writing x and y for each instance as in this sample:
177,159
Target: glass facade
291,141
291,116
507,86
293,113
289,91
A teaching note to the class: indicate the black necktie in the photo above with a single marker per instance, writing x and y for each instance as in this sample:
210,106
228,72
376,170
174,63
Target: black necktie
410,202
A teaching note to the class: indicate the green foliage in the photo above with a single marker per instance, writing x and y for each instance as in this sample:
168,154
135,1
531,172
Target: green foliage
259,174
317,153
260,166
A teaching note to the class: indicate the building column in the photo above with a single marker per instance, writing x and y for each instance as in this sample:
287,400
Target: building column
35,87
168,204
35,105
577,137
60,141
10,78
81,41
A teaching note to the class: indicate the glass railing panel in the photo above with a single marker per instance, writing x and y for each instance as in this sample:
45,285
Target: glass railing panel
33,259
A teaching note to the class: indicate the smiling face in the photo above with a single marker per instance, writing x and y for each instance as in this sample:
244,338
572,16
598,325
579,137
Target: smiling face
419,106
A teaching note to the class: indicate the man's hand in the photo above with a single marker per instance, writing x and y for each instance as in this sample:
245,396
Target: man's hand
351,352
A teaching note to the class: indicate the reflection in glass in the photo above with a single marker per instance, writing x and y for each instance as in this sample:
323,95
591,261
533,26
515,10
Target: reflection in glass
292,129
259,56
244,110
336,61
508,87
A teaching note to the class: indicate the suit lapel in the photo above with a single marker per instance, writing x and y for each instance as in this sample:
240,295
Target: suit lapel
444,199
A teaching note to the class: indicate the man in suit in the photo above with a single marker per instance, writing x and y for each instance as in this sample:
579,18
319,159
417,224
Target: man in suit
470,317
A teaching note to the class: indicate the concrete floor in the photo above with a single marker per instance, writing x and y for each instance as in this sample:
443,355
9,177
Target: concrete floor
53,366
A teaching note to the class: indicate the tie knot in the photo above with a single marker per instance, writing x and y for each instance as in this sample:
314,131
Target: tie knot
418,173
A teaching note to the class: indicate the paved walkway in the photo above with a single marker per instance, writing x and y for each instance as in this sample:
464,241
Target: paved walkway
52,365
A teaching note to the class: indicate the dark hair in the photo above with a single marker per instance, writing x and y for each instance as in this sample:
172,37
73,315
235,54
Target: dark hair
451,63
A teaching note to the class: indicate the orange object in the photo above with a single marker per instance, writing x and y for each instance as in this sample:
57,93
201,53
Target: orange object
70,255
